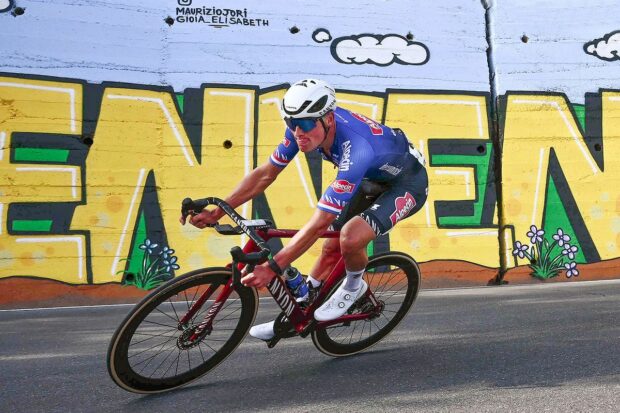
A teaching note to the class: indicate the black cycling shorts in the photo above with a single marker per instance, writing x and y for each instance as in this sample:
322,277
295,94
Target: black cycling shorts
397,200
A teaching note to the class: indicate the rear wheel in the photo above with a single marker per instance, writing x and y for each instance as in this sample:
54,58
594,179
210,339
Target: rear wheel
394,279
151,352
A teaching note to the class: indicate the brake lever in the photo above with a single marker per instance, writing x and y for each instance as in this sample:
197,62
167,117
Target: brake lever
237,274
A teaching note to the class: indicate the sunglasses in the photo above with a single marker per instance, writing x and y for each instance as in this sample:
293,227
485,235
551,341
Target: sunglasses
306,124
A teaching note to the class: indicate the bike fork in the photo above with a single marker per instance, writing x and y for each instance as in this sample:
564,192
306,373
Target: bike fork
206,323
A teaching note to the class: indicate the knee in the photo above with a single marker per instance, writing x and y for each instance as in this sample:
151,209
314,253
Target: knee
351,241
331,247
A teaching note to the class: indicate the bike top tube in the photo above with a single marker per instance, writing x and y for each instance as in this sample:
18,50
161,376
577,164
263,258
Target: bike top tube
289,233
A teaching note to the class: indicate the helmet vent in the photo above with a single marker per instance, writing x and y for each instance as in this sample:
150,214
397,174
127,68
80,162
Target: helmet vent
295,112
319,105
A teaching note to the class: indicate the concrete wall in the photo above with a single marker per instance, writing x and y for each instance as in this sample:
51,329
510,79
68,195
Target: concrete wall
112,112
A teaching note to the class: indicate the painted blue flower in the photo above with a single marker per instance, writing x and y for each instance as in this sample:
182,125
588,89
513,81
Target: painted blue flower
570,250
519,250
148,246
561,237
571,269
170,263
166,252
535,234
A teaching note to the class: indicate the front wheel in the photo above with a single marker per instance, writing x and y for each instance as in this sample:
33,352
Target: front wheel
394,279
152,351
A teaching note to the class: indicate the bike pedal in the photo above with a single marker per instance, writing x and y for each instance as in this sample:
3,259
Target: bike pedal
272,343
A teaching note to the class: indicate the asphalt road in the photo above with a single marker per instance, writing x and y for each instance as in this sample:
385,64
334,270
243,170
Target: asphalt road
552,348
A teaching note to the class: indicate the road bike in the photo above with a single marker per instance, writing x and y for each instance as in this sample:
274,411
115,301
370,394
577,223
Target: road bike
189,325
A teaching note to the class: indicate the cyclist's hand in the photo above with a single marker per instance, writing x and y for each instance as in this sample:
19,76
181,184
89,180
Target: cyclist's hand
202,220
261,276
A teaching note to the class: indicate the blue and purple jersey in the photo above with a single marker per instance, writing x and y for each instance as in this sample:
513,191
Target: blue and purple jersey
362,149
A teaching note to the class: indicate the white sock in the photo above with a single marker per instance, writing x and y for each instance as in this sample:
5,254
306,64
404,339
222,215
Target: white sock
315,283
353,281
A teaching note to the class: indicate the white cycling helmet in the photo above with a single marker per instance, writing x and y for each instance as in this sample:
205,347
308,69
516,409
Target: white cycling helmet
308,98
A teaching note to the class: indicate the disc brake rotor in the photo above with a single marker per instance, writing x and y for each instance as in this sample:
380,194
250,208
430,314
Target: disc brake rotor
185,340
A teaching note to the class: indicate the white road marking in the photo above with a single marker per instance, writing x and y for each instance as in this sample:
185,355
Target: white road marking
456,291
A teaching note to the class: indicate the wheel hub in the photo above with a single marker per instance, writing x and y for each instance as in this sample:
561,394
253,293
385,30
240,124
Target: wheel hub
188,338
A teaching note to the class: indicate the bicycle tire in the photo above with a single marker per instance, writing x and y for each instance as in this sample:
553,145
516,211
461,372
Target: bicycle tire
333,341
159,305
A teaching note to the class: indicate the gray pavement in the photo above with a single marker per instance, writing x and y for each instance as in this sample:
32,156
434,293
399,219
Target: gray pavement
539,348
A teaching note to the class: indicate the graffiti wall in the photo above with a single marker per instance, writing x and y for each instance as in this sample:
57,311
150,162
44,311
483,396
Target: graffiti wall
112,112
558,88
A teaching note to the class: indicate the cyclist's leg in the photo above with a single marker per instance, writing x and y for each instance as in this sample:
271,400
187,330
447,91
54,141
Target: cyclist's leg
404,198
330,254
354,238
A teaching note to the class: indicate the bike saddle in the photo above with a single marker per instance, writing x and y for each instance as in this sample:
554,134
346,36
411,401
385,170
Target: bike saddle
372,189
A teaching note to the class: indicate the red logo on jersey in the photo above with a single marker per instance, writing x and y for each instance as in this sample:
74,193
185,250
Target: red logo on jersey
286,142
374,126
342,186
404,205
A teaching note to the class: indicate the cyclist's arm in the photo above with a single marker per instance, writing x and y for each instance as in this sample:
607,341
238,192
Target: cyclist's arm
251,185
305,238
263,176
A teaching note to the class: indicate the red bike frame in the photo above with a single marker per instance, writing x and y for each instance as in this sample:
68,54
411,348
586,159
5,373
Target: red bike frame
301,318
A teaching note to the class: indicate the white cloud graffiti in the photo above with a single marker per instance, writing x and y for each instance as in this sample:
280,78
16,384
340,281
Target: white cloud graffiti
321,36
381,50
5,5
607,48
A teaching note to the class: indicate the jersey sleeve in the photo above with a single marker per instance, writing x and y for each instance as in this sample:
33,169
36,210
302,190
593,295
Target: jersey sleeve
286,150
352,168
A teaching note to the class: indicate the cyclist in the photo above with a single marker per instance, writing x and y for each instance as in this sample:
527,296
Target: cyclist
362,149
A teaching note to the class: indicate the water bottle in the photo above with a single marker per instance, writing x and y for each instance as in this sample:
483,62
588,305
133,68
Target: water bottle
296,284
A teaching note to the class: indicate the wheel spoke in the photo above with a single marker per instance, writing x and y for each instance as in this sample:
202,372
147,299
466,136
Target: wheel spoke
150,348
201,354
174,309
162,362
176,320
147,339
160,324
148,360
227,317
207,344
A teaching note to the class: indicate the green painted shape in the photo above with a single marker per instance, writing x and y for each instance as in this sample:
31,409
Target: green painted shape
580,111
556,217
41,155
370,249
137,255
481,167
181,100
32,225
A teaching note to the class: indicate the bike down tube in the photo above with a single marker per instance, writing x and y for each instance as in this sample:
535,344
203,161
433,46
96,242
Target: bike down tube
277,288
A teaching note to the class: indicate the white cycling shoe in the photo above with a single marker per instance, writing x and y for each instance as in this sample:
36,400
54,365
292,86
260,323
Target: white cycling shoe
263,331
339,303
